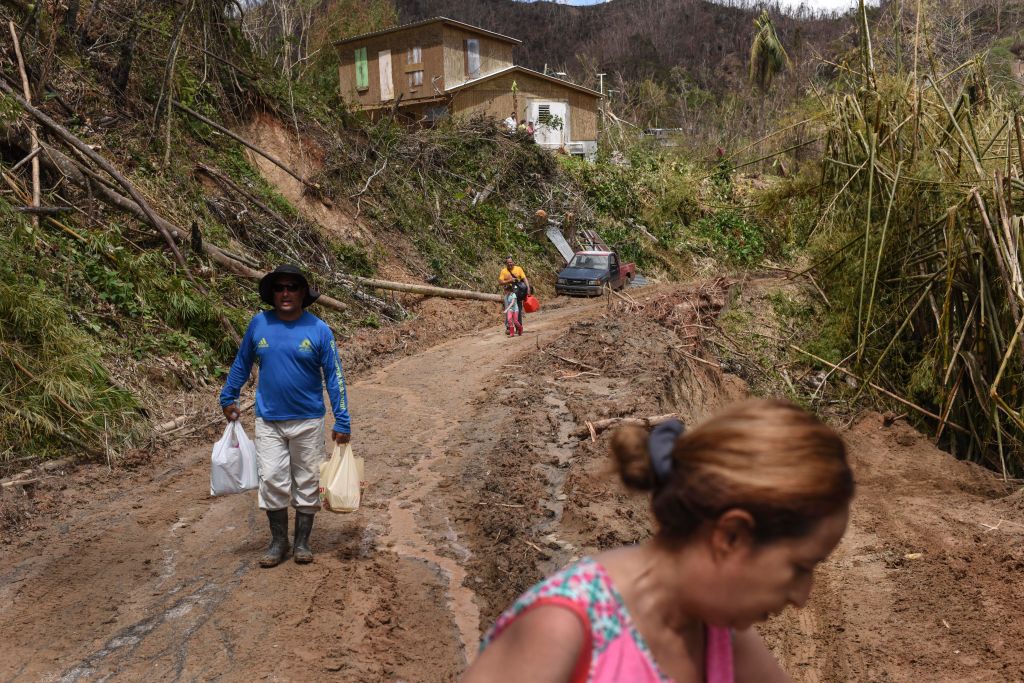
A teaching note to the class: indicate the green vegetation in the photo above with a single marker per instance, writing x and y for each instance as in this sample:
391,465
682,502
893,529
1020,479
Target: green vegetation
911,225
767,55
58,397
729,236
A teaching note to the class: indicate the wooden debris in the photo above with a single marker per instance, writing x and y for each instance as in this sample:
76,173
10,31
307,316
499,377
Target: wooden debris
221,257
34,154
427,290
570,361
230,184
597,426
19,483
171,424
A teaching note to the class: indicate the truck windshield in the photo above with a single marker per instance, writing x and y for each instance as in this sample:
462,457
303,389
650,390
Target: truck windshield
595,261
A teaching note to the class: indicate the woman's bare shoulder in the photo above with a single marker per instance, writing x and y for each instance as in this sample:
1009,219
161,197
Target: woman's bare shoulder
542,645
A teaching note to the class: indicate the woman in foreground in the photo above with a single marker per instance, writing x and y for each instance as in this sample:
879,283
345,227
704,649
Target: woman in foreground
746,504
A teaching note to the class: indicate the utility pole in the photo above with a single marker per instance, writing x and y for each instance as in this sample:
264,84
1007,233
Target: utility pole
601,82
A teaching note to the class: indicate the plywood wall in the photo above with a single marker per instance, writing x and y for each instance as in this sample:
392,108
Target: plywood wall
495,55
428,38
443,65
494,98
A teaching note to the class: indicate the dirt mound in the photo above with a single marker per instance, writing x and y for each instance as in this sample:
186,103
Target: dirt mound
922,586
337,219
535,495
305,157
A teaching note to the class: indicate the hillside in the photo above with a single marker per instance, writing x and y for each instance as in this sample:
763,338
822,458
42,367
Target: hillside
180,162
695,41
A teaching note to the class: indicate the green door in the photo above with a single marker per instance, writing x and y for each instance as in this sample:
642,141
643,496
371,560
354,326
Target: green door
362,70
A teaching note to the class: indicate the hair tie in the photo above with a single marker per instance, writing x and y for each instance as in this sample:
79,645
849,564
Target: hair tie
660,444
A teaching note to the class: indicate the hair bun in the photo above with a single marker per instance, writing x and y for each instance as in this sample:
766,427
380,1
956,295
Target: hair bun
632,459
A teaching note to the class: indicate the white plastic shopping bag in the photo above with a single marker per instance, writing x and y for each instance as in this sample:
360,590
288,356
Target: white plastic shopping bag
340,480
233,462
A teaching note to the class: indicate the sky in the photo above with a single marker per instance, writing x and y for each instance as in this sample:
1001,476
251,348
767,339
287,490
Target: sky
791,4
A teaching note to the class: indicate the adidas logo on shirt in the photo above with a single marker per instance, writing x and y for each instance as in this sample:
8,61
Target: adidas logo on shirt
263,343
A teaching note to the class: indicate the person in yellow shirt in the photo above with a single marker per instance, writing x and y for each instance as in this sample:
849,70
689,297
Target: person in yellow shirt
514,275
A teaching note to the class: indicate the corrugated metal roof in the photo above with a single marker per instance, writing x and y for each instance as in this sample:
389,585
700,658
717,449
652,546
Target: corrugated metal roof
523,69
424,22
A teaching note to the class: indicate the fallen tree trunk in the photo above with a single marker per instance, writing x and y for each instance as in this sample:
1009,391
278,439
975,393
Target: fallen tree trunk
426,290
73,141
598,426
36,192
218,255
263,153
150,215
86,179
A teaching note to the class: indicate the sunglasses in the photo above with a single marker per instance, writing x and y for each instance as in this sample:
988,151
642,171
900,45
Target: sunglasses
287,287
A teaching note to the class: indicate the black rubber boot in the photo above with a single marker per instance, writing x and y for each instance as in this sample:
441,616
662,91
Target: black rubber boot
303,525
278,549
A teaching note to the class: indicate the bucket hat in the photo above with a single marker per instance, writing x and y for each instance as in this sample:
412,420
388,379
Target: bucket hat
267,284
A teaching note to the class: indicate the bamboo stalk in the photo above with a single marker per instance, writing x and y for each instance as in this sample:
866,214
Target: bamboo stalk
993,390
895,397
1020,142
949,405
33,130
881,249
956,126
1014,306
861,341
892,340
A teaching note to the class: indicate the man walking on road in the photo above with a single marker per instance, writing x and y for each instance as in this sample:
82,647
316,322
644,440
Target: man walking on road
514,275
296,354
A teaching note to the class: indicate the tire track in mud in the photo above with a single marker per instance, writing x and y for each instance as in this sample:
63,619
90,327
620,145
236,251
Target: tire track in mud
405,536
206,597
418,524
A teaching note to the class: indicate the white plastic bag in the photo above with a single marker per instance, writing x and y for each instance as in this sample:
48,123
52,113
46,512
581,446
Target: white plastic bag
340,480
233,462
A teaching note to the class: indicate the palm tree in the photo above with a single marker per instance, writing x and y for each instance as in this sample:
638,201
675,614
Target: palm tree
767,56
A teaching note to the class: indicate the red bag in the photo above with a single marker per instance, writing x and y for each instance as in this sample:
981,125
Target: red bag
530,304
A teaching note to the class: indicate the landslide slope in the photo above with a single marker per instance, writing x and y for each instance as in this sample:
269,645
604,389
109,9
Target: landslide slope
107,332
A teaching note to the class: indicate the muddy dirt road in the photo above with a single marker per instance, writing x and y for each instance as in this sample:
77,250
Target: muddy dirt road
481,478
154,580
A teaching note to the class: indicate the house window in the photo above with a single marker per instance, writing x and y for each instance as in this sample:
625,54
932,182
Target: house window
362,70
413,55
544,114
415,78
472,47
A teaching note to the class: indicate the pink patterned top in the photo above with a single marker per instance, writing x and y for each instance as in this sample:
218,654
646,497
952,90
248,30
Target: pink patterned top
613,650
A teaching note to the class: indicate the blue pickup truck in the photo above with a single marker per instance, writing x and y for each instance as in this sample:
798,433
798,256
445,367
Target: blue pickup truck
589,272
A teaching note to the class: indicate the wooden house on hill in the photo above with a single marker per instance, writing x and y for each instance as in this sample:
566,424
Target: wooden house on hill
442,67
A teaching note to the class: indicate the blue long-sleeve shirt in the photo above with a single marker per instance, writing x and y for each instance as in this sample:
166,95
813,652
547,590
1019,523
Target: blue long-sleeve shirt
291,356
